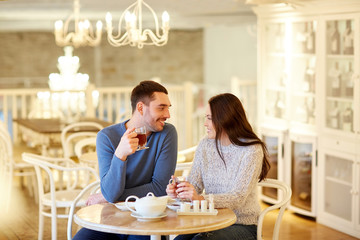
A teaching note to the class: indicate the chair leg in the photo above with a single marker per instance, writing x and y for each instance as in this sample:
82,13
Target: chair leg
9,192
35,188
53,224
41,224
30,186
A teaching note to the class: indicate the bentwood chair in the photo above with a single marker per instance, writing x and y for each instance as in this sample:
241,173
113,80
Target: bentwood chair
85,150
184,161
85,145
10,168
280,205
88,190
75,132
55,203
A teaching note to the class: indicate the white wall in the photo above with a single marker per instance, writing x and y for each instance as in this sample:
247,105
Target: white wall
230,51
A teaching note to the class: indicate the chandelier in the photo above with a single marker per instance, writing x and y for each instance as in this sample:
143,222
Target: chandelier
134,34
83,34
69,78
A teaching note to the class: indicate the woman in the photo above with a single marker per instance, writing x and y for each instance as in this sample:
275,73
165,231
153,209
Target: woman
228,164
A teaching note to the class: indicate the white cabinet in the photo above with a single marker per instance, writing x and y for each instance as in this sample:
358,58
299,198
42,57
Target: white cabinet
309,85
339,160
339,174
288,73
303,172
287,84
274,138
341,74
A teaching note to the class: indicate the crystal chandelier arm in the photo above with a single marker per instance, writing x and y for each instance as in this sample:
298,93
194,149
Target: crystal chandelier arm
83,33
109,22
134,35
158,40
116,42
67,22
155,18
91,38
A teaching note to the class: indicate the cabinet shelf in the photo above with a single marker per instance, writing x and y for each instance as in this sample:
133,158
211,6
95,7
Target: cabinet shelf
339,181
303,94
277,54
340,57
303,55
276,89
340,99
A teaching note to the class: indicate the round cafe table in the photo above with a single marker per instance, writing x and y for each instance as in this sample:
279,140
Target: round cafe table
108,218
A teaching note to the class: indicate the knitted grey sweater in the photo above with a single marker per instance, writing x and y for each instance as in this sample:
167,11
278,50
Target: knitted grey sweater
233,186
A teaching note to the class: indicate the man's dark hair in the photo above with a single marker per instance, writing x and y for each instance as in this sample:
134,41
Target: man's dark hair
144,92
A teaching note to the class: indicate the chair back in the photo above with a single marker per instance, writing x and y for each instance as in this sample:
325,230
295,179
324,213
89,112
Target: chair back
187,154
6,152
281,204
83,146
75,132
54,167
184,161
10,168
6,169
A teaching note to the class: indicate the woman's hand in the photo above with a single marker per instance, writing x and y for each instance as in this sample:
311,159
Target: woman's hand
185,190
171,188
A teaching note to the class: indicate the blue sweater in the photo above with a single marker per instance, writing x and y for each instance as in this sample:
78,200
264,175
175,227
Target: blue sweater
144,171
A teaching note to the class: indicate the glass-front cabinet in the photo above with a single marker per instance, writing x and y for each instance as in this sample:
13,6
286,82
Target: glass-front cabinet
303,172
339,200
309,85
289,76
303,74
276,71
340,74
274,140
288,90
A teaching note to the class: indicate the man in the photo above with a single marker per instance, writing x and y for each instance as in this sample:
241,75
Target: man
125,171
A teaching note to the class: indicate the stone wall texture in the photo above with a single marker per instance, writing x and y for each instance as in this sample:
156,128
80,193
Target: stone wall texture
34,55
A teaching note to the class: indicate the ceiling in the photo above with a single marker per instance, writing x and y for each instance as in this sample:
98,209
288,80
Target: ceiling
40,15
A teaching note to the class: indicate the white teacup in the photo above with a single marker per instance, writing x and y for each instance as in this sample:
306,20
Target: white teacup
149,206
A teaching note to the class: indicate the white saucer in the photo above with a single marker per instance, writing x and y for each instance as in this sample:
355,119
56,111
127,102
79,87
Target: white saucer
148,219
174,206
122,207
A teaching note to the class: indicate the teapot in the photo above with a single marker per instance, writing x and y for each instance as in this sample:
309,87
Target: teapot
148,206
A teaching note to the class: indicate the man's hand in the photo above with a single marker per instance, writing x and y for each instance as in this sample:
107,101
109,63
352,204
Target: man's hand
95,199
127,145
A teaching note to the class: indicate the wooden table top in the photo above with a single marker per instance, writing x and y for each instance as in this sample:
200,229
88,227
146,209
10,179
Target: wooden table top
54,125
108,218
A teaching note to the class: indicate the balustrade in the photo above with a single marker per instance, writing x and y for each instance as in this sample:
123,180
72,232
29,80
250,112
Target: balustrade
112,104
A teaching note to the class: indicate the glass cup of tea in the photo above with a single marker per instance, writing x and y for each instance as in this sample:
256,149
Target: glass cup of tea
141,135
176,181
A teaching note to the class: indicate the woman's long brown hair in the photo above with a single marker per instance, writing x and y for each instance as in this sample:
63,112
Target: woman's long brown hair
228,116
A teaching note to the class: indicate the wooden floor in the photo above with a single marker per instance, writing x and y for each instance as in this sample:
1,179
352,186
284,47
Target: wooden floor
21,222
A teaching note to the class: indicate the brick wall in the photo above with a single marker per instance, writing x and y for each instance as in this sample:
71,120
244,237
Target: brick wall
34,55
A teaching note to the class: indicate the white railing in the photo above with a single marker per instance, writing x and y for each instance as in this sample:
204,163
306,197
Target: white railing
113,104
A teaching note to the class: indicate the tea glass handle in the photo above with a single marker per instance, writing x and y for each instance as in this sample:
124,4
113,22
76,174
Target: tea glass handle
126,203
